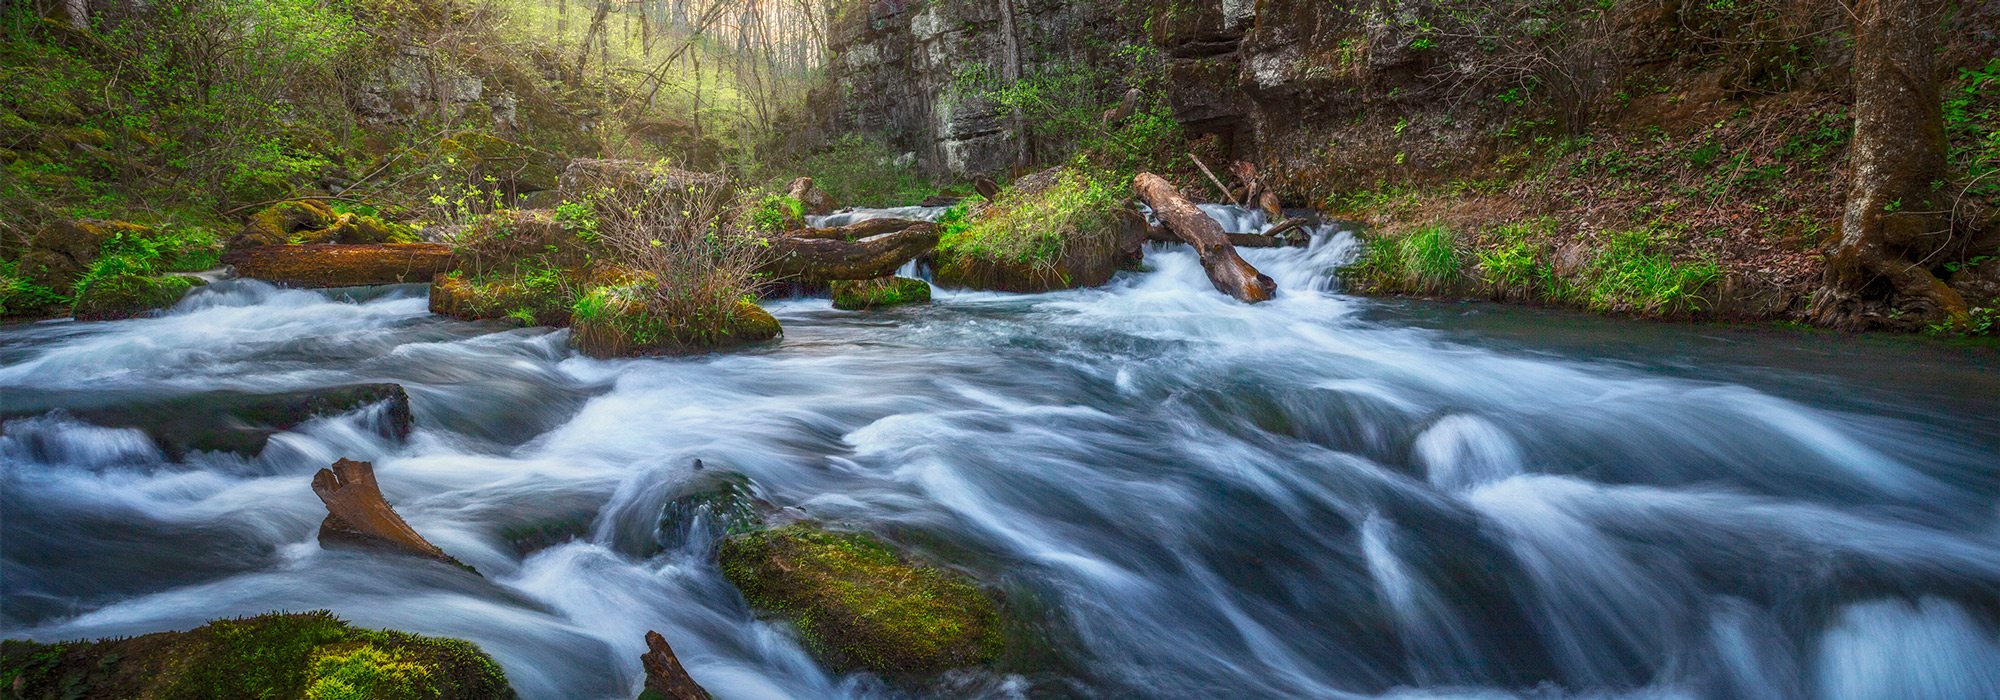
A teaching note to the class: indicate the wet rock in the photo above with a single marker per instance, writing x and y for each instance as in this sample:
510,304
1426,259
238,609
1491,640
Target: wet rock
340,265
237,422
881,292
666,679
130,296
313,655
714,504
858,604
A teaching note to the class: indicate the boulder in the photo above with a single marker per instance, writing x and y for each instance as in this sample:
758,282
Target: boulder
858,604
307,221
129,296
620,323
1053,230
61,252
340,265
815,200
502,296
279,655
854,295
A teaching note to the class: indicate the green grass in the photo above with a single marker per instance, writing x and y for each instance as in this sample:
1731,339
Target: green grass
1036,229
1632,272
859,170
1427,260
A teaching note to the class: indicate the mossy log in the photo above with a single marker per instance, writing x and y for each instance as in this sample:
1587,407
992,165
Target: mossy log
356,513
309,655
855,231
816,260
666,679
1229,272
335,265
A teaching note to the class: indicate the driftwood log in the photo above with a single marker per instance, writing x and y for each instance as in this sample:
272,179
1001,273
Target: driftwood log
987,188
357,515
1229,272
1255,192
820,260
664,674
855,231
336,265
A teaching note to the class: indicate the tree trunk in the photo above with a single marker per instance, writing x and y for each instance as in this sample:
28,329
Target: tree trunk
356,513
819,260
589,36
1897,224
337,265
1229,272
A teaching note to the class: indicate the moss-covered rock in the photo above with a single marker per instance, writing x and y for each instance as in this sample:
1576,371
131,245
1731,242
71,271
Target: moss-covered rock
307,222
621,321
529,300
854,295
60,253
129,296
857,604
314,656
712,505
1053,230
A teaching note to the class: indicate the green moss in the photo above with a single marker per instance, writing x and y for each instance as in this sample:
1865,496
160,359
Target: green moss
877,293
129,295
620,321
539,297
24,297
1055,230
276,656
857,604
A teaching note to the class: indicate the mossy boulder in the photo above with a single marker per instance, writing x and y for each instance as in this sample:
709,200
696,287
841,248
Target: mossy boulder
1053,230
60,253
311,655
306,222
857,604
855,295
129,296
713,504
525,300
623,321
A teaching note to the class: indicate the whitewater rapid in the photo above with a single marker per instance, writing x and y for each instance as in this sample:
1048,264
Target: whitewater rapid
1181,495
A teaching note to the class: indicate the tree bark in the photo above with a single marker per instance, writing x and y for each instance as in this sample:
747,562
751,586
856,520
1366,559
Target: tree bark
1229,272
583,52
664,673
1897,224
820,260
356,513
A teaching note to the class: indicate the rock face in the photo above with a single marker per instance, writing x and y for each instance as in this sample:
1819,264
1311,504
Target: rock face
269,656
857,604
338,265
880,292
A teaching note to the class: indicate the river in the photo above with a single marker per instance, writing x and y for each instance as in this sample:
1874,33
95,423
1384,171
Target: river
1179,495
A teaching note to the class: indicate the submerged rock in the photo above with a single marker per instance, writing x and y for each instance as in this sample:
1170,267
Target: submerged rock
713,505
308,655
234,421
857,604
340,265
880,292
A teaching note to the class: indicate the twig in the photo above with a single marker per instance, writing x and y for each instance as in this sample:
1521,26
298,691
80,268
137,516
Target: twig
1214,179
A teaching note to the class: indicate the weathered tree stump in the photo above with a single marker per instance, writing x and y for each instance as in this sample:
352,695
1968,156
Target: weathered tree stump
665,677
1229,272
987,188
357,515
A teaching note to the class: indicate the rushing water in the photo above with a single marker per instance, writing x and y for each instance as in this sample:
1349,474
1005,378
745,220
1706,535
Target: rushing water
1182,496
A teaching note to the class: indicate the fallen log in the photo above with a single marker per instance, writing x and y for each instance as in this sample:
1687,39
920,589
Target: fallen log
336,265
1255,192
987,188
1226,270
821,260
357,515
855,231
1156,232
665,676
